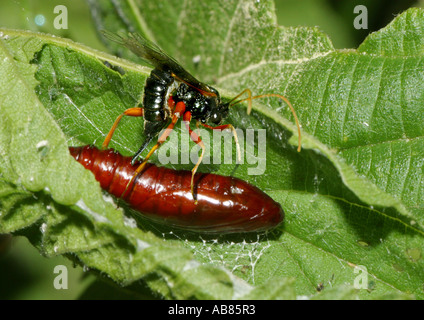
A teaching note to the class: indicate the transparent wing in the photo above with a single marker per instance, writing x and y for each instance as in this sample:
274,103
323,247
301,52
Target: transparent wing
151,52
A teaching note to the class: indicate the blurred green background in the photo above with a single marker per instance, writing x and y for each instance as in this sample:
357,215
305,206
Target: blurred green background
24,274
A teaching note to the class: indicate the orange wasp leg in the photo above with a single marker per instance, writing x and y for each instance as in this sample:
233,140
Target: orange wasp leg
224,127
195,137
132,112
178,111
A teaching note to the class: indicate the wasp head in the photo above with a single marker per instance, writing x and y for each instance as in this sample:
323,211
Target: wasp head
219,111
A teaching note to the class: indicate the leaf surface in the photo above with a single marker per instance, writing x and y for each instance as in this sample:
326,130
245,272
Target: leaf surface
352,197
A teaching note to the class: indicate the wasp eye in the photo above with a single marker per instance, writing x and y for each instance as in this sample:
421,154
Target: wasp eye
216,118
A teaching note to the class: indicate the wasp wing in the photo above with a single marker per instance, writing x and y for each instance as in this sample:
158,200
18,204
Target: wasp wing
151,52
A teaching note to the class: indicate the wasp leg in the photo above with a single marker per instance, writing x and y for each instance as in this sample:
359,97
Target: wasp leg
178,111
231,127
195,137
132,112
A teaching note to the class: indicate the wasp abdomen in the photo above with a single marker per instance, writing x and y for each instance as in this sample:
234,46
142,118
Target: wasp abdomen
155,90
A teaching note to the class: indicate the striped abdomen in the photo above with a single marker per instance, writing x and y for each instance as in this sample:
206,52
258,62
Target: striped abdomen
155,91
225,204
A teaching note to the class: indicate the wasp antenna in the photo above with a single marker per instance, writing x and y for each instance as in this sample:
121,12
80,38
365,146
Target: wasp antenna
276,95
249,99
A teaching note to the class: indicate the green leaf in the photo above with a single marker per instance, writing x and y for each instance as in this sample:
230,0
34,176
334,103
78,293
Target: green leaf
352,197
